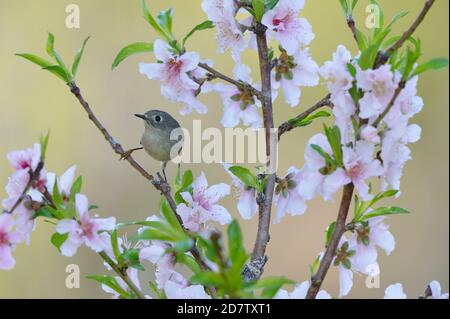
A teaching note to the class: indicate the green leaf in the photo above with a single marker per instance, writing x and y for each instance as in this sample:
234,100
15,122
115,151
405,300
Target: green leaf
156,234
43,140
77,58
58,239
207,249
433,64
345,7
258,9
397,17
308,119
362,40
57,199
115,244
270,4
170,216
111,282
189,261
130,257
271,285
42,212
314,266
382,211
35,59
334,138
184,245
235,243
50,45
132,49
354,3
368,56
59,72
199,27
329,233
76,187
45,64
208,278
185,186
328,159
245,175
154,24
52,52
164,19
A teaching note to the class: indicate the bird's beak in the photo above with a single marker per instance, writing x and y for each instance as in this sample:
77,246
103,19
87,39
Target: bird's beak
140,116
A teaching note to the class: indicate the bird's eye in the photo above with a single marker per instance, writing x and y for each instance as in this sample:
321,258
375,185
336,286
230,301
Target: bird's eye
158,118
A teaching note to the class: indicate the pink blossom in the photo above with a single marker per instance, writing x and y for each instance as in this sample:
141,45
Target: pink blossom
436,293
64,183
339,81
287,196
336,71
173,72
395,153
246,204
394,292
289,30
345,273
299,292
25,159
228,33
175,290
164,262
202,204
379,87
365,240
406,105
370,134
9,237
295,71
22,215
132,273
239,105
88,230
360,165
314,182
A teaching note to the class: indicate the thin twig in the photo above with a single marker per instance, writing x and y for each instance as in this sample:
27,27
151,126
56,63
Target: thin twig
288,126
256,266
383,57
122,274
34,175
239,84
339,228
159,183
352,26
397,92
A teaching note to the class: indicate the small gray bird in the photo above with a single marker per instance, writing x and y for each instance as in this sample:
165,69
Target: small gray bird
156,139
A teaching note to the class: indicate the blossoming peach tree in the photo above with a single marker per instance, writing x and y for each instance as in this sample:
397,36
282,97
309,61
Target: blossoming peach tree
372,97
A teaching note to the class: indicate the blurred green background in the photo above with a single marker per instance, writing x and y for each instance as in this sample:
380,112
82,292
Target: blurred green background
33,101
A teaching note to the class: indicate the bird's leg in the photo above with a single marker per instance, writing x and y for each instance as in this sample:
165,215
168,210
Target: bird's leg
163,170
126,154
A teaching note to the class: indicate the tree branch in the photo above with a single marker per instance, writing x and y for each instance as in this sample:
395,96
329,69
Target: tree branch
287,126
383,57
339,228
397,92
122,274
34,175
159,183
239,84
255,268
